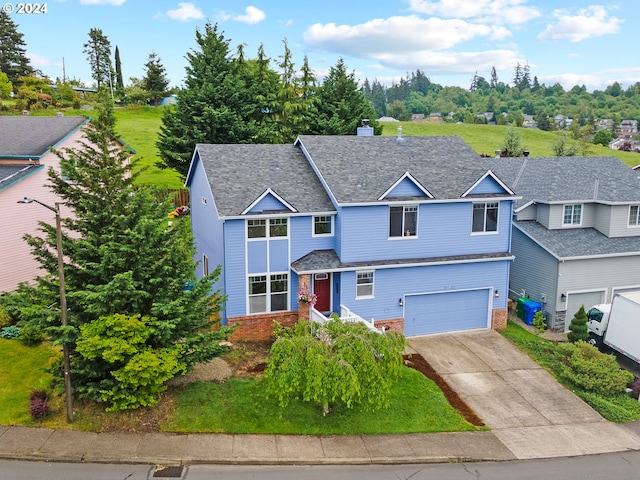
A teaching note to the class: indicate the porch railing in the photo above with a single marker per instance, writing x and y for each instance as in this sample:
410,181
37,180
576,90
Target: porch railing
346,315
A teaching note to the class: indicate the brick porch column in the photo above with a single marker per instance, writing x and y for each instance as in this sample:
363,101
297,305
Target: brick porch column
304,284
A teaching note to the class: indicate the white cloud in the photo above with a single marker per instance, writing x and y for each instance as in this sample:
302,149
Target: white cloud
501,11
252,15
588,22
395,35
102,2
185,11
39,61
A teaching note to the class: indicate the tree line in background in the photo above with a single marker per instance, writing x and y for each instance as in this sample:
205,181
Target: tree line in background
415,93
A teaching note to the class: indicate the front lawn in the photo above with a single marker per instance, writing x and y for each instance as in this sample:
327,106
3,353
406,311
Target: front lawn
617,408
239,406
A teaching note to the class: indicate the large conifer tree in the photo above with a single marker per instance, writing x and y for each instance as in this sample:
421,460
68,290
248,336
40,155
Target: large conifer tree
215,105
13,60
124,266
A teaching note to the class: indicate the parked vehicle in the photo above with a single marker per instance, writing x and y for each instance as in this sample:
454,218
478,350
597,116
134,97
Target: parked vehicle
617,324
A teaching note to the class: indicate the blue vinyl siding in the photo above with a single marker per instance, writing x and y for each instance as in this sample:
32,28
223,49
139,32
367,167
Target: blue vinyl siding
279,256
394,283
488,186
443,229
406,188
257,256
302,241
269,202
206,227
235,266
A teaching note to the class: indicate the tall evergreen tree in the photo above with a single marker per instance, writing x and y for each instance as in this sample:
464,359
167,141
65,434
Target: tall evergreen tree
13,60
215,106
98,51
125,269
155,81
341,105
119,81
493,82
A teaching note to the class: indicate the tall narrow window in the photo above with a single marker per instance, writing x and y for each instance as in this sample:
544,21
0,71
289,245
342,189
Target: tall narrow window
485,217
364,284
205,265
279,290
572,215
634,216
268,293
257,293
403,221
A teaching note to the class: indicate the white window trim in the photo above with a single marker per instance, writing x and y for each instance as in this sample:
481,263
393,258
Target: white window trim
573,205
267,229
268,292
484,231
404,237
637,224
313,226
373,284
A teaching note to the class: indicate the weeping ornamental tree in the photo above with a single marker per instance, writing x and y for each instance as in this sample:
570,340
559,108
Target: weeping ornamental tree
335,363
132,323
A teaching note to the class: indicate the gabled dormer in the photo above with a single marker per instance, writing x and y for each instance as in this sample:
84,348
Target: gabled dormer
269,202
405,186
488,184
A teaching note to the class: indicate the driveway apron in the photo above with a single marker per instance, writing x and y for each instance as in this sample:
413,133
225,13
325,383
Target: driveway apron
525,407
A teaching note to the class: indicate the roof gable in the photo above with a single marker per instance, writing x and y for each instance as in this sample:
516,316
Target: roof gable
406,186
269,202
488,184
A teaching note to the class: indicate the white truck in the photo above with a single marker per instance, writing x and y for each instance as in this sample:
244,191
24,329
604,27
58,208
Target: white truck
617,324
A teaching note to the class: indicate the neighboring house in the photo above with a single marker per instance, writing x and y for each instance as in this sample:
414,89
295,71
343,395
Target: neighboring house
24,160
576,231
627,129
413,233
417,117
435,117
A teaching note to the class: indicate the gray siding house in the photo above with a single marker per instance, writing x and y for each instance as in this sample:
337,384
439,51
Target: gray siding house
576,231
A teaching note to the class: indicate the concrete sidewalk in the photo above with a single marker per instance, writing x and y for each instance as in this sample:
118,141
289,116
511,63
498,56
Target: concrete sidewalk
529,413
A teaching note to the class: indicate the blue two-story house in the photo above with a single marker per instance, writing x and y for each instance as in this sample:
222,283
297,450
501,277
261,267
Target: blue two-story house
411,233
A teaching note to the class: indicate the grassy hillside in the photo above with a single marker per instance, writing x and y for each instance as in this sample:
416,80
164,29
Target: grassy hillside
488,138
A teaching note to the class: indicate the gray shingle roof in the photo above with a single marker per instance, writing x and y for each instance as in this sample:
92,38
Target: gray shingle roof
558,179
239,174
12,173
32,136
360,169
328,261
578,242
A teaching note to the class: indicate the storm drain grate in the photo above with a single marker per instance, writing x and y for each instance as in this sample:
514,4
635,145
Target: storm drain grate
172,471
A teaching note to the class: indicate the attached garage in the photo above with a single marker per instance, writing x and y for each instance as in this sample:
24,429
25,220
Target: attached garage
446,312
576,300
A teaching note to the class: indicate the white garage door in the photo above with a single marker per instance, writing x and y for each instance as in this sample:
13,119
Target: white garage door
446,312
576,300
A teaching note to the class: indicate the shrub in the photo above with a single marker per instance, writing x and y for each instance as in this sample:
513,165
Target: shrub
38,408
539,322
585,367
37,393
578,327
5,319
635,388
30,335
11,332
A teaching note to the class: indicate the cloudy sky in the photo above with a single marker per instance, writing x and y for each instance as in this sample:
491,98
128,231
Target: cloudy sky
571,42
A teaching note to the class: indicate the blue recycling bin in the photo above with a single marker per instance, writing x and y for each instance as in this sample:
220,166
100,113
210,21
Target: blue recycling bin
530,308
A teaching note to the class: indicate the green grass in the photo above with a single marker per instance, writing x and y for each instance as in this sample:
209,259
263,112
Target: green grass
240,406
617,408
23,369
486,139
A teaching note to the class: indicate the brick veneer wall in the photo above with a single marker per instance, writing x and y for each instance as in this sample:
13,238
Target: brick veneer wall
258,328
394,324
499,318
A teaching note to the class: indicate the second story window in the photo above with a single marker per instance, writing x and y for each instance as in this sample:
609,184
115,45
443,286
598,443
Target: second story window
278,227
634,216
403,221
572,215
485,217
323,225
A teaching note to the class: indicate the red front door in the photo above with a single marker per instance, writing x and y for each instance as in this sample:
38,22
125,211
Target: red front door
322,289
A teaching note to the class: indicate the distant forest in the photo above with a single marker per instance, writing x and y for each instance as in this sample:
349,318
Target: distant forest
524,95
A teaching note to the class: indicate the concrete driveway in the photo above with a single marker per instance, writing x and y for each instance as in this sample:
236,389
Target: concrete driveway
525,407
